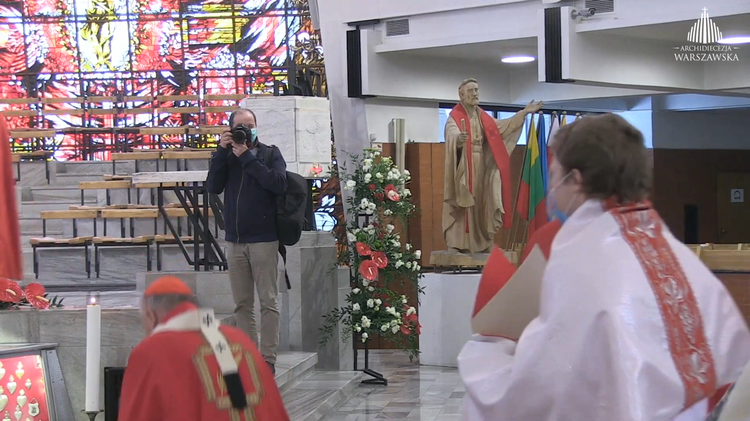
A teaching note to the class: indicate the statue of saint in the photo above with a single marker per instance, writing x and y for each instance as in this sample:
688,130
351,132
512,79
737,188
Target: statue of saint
477,191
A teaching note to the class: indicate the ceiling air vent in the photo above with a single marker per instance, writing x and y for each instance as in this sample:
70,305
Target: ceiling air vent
601,6
396,28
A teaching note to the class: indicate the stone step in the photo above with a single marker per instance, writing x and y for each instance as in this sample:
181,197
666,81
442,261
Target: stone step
317,396
32,209
58,193
73,179
33,225
294,366
93,167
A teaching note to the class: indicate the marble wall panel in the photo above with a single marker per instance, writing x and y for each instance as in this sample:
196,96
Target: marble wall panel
19,326
33,173
313,133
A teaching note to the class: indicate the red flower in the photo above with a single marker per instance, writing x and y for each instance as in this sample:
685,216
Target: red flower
34,294
391,193
380,259
10,292
372,187
409,321
379,196
368,270
363,249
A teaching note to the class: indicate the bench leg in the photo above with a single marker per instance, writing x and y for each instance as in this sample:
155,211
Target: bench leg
36,261
158,257
87,261
46,168
148,257
96,260
18,171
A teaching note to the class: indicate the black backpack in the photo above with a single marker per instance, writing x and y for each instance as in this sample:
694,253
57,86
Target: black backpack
290,210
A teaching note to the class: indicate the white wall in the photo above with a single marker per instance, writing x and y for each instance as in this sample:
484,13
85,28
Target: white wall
714,129
422,119
642,120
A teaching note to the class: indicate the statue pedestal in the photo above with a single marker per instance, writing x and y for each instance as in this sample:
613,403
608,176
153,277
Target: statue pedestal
445,313
453,259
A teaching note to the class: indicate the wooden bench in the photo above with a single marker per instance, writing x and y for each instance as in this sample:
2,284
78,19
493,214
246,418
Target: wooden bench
106,186
75,242
182,157
32,156
136,157
123,240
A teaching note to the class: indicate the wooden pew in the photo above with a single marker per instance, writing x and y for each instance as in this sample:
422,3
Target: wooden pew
75,242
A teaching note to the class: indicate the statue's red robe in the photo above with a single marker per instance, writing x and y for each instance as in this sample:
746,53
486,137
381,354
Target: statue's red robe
171,376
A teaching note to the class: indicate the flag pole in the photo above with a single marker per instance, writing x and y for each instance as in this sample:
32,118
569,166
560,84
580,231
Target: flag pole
525,235
514,221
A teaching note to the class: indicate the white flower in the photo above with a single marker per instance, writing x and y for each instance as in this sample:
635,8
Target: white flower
379,176
398,255
351,237
364,204
398,315
355,291
371,289
365,336
389,228
390,310
367,161
378,301
410,311
355,307
351,184
403,299
384,328
407,193
416,267
370,229
394,322
376,308
396,243
365,322
356,231
408,246
357,328
407,174
408,265
372,206
387,212
365,282
376,153
368,177
371,303
394,329
418,254
399,263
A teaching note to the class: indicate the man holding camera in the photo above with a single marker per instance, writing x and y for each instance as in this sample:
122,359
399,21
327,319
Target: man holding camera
250,184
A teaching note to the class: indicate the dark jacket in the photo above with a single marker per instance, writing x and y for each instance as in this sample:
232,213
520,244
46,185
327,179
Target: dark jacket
250,187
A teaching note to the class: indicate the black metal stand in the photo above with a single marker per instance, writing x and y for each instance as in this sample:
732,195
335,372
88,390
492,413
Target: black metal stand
377,378
92,414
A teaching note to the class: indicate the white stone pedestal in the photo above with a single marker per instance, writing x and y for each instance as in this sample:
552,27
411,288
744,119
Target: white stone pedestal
445,315
299,126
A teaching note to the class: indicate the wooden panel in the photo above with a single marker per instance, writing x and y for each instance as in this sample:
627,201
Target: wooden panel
738,286
16,157
136,156
69,214
63,112
104,185
137,98
227,97
30,134
20,113
76,100
187,154
437,186
158,131
102,111
19,101
130,213
179,110
208,130
165,98
102,99
154,185
133,111
220,109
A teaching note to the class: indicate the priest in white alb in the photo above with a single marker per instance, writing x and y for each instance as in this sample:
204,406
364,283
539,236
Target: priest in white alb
631,325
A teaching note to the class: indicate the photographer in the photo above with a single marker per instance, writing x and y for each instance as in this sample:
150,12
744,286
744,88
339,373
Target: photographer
250,186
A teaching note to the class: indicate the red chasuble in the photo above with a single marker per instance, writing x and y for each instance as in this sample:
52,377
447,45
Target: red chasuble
10,258
174,376
543,238
499,151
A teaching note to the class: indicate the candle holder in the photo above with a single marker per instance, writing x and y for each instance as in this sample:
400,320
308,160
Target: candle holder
92,414
92,298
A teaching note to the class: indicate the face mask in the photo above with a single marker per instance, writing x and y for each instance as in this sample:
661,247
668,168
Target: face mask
552,208
253,135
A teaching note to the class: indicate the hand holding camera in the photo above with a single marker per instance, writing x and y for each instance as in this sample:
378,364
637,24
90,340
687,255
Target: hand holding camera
226,140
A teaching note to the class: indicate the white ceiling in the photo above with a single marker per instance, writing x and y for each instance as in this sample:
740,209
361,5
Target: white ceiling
484,52
677,31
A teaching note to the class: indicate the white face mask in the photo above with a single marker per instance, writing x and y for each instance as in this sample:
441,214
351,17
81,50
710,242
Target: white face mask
552,208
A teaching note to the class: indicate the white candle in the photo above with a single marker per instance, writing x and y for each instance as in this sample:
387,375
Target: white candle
93,352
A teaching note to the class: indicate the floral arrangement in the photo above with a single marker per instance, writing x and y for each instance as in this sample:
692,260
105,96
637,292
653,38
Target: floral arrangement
377,257
12,296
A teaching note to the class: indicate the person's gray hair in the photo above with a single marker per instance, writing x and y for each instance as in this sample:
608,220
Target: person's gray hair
164,304
466,82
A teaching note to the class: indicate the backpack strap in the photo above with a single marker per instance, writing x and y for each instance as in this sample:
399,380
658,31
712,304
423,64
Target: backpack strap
282,252
269,153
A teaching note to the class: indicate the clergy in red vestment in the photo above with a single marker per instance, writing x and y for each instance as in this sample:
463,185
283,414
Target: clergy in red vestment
632,326
11,265
191,368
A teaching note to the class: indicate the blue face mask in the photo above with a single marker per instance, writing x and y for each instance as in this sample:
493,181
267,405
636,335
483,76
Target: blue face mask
552,208
253,135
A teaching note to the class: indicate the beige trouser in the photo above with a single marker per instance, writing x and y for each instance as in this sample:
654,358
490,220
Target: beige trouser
254,266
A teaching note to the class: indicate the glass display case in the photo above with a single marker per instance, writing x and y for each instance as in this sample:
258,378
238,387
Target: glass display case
31,384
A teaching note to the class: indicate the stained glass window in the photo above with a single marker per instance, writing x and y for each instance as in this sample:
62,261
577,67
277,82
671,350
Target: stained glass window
122,56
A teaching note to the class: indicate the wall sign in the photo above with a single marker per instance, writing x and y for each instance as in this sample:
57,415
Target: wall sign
737,195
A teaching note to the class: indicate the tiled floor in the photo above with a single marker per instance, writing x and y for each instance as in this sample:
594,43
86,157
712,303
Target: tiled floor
413,393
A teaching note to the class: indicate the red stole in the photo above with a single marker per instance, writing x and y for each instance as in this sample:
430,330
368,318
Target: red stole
499,151
642,229
10,259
